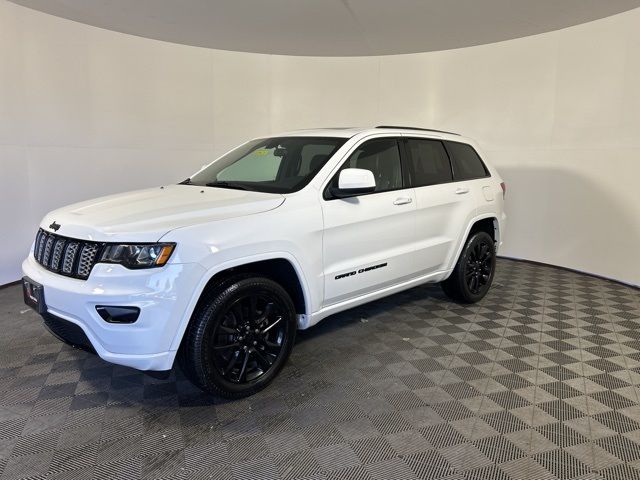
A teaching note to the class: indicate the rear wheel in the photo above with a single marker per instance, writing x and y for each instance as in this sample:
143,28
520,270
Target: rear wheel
240,337
473,274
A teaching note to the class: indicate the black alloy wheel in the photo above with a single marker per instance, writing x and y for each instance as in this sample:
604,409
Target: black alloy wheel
473,273
478,266
250,337
239,337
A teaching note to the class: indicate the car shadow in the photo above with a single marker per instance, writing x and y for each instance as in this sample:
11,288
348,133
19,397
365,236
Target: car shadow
362,313
128,387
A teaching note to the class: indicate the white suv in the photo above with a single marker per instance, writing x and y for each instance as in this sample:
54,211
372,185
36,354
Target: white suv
279,233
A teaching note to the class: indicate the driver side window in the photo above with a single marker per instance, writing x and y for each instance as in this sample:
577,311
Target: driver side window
382,157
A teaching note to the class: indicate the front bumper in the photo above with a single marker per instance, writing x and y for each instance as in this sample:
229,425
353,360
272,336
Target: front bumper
68,332
163,296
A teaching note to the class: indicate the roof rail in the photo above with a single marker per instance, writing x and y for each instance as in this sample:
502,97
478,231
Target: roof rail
417,128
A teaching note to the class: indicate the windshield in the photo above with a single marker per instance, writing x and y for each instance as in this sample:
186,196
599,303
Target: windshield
275,165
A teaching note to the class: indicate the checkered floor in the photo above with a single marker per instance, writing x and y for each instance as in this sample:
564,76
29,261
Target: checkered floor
538,381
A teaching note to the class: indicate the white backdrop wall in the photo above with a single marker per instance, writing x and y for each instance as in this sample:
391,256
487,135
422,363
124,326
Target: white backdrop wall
86,112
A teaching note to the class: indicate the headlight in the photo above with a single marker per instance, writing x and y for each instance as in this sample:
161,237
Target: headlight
138,256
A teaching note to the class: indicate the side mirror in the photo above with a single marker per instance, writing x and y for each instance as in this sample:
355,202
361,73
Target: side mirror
354,181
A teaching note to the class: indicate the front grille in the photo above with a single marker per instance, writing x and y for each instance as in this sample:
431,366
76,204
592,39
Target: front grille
67,256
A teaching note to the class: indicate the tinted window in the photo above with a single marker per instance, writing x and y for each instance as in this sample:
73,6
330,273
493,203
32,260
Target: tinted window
382,157
465,161
429,161
278,165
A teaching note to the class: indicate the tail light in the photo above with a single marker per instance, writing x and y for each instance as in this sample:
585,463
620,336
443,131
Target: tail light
503,186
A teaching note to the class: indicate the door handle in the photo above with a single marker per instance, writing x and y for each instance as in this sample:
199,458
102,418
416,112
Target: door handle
402,200
462,191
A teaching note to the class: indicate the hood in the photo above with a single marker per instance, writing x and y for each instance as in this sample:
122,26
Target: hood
147,215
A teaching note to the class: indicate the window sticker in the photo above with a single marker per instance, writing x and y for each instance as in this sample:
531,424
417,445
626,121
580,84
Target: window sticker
262,152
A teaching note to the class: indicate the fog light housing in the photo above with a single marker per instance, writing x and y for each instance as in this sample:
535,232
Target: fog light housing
111,314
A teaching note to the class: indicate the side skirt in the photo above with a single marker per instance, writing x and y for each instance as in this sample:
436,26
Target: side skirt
306,321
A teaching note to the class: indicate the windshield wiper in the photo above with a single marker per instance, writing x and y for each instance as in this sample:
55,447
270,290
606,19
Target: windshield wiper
233,185
185,182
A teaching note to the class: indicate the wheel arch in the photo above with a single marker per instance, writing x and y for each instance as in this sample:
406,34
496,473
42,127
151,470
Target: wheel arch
281,267
487,223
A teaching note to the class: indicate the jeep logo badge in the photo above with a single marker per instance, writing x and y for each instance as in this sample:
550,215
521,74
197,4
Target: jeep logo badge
55,226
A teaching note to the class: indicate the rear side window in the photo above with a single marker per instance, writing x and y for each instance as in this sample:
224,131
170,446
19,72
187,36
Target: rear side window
465,162
429,162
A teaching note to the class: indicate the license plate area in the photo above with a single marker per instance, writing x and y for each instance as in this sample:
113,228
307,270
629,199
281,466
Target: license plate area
33,294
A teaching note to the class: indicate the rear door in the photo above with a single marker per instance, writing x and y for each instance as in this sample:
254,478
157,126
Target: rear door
368,239
444,207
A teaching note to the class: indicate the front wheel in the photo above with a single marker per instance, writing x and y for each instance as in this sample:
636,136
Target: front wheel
240,337
471,278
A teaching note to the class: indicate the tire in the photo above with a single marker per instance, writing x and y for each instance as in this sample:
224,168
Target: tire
239,337
473,274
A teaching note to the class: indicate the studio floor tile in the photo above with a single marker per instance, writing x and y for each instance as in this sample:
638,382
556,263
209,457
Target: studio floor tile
539,380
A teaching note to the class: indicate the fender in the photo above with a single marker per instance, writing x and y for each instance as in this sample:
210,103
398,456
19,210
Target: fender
464,237
184,322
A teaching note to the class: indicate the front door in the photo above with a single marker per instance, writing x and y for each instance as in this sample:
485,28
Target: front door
369,239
